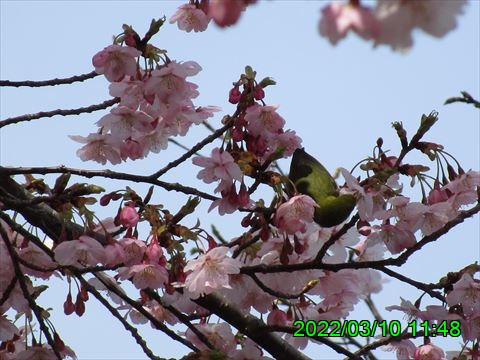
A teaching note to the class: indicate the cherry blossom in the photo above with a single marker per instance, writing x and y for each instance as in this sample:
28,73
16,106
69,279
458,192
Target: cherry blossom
429,352
219,166
466,291
394,237
123,122
210,271
134,250
220,335
130,92
116,61
99,147
145,275
7,329
338,18
227,12
399,18
369,202
188,17
293,215
405,349
85,251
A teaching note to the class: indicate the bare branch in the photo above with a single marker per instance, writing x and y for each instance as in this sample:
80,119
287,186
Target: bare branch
52,82
63,112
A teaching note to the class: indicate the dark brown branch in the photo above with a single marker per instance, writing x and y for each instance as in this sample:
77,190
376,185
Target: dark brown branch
251,326
31,302
272,292
52,82
106,174
63,112
41,215
323,340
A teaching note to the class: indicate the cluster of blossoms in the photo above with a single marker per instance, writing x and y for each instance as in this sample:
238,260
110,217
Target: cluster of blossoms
401,218
256,138
197,14
390,22
155,105
466,292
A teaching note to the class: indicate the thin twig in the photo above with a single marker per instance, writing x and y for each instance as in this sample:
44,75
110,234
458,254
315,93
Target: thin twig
63,112
197,147
52,82
138,338
137,306
182,317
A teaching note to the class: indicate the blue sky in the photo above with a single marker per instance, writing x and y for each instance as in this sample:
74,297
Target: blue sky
338,99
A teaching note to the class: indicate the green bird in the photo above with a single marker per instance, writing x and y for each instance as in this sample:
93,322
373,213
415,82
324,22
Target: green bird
312,179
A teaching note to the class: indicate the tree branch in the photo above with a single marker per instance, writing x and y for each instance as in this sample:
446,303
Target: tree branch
52,82
251,326
63,112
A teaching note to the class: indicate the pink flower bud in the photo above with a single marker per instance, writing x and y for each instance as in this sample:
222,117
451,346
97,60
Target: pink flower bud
277,317
68,306
234,95
258,93
128,216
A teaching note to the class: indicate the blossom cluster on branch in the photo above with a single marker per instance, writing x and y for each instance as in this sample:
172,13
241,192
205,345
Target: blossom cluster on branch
389,22
236,298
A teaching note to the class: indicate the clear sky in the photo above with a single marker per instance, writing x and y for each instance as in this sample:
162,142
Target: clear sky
338,99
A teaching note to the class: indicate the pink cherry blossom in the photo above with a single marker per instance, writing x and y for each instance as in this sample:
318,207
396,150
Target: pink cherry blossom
116,61
429,352
277,317
408,308
227,12
405,349
394,237
99,147
7,329
369,202
36,352
466,291
32,254
339,18
145,275
188,17
85,251
219,166
399,18
263,120
130,92
220,335
114,254
288,141
122,121
134,250
293,215
210,271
